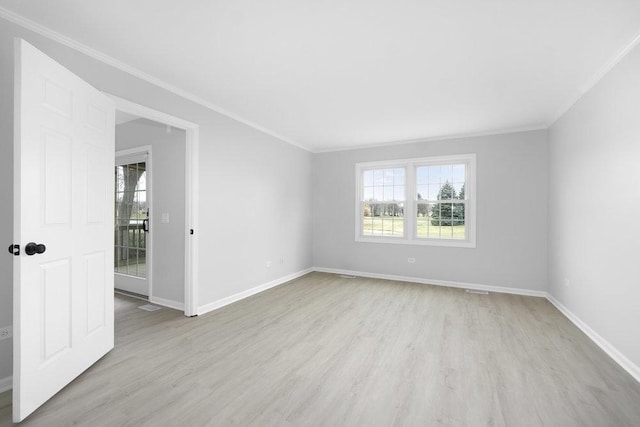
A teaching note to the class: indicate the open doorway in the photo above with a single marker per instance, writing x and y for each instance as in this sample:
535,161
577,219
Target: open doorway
158,152
149,209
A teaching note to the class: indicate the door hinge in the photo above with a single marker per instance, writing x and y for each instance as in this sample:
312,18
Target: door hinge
14,249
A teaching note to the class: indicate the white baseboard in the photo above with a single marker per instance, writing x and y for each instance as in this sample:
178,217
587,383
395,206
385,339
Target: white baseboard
6,384
613,352
167,303
131,294
249,292
463,285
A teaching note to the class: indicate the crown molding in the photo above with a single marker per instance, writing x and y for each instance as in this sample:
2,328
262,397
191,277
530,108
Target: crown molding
113,62
436,138
603,71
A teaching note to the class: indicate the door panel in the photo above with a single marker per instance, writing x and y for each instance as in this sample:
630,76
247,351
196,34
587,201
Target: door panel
57,178
63,198
96,304
56,301
96,182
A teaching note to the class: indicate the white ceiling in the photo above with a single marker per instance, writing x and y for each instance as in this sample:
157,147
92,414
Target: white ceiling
344,73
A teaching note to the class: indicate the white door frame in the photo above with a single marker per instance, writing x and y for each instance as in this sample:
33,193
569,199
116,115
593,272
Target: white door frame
124,155
191,193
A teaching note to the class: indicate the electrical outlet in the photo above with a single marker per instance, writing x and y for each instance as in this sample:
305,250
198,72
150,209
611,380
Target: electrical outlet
6,332
267,264
411,260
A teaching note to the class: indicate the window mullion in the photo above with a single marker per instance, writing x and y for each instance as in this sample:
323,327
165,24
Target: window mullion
410,205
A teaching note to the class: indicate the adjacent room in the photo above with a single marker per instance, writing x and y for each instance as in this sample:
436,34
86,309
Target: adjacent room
357,213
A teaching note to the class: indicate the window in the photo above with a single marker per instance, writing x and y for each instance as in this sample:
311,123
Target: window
383,202
427,201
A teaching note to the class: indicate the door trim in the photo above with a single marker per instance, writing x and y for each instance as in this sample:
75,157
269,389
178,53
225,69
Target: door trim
191,192
122,155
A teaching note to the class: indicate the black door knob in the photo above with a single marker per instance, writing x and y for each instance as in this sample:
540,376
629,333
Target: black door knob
34,248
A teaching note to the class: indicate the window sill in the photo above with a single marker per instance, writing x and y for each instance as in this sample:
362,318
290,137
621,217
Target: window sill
418,242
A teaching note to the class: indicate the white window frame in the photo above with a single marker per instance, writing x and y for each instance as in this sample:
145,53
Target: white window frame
411,203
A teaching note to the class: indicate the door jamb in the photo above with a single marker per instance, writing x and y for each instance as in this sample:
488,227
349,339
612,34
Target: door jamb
191,192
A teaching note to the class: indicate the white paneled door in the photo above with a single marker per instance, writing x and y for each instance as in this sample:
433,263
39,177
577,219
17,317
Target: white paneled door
63,222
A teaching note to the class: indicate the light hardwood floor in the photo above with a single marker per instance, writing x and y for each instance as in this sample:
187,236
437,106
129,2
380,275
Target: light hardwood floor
328,351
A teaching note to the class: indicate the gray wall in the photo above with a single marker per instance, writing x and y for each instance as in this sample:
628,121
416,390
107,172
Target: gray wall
594,206
511,214
258,210
254,189
168,180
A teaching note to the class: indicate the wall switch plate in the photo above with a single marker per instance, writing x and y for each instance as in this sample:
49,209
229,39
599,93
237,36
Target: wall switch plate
411,260
6,332
267,264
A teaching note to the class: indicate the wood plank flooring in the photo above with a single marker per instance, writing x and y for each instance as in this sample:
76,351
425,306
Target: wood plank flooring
329,351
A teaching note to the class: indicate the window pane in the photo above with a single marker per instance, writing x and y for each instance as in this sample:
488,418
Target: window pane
378,194
398,176
459,174
367,224
366,210
388,177
458,230
442,182
368,193
422,174
446,192
422,224
459,190
382,219
141,263
142,182
434,190
441,221
423,210
386,185
367,178
422,192
459,212
388,193
434,174
446,173
398,192
378,177
398,226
